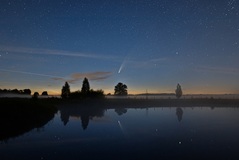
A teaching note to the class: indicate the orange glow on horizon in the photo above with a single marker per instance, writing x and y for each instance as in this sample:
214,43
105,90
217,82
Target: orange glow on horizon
56,90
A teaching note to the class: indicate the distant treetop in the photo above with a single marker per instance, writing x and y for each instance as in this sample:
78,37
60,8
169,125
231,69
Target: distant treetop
44,93
35,95
121,89
65,91
16,91
178,91
85,86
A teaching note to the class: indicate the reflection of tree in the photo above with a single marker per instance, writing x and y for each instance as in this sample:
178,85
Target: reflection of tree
64,118
85,121
86,113
179,113
120,111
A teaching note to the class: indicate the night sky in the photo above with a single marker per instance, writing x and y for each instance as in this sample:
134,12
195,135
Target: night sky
147,44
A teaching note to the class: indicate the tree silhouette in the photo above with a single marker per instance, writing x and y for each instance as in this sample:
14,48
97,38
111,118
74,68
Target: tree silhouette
65,91
85,86
44,93
35,95
16,91
179,91
27,91
121,89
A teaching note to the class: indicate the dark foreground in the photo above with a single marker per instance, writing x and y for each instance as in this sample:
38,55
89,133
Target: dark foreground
18,116
146,103
119,129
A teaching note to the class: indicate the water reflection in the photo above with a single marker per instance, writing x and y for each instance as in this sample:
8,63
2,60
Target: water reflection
120,111
156,135
179,113
85,113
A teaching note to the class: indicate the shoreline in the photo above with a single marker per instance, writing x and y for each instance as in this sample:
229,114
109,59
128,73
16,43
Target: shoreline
148,103
108,103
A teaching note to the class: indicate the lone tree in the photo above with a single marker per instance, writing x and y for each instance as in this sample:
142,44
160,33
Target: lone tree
85,86
179,91
121,89
65,91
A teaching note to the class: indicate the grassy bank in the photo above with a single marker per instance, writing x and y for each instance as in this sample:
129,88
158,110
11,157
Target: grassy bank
19,115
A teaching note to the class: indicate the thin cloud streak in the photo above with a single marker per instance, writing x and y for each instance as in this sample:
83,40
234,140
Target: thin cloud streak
26,50
94,76
224,70
30,73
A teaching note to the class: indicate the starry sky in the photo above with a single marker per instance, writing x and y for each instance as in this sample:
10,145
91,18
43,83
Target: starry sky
146,44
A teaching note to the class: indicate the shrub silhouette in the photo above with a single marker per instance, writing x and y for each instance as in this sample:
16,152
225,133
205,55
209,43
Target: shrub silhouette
27,91
35,95
44,93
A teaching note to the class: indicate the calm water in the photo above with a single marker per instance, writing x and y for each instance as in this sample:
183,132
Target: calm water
153,133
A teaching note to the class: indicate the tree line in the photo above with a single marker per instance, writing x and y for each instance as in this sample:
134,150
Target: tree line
21,92
120,89
85,92
16,91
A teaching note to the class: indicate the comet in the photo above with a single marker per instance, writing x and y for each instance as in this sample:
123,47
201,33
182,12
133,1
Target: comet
121,67
126,59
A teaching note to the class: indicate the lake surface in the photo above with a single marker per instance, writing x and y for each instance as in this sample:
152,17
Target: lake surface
131,133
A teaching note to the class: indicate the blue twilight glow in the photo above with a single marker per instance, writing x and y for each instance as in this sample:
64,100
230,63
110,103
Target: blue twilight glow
148,45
